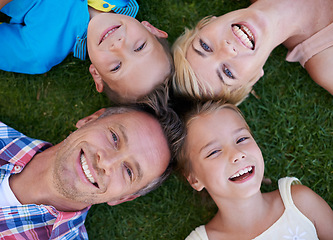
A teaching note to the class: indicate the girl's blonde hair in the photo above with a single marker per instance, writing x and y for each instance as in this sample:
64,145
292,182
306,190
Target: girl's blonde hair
200,109
186,82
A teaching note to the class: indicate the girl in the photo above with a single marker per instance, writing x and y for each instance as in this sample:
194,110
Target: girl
220,155
223,57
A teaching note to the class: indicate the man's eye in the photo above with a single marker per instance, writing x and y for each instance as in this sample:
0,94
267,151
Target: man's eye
228,72
205,46
242,139
213,153
115,139
116,68
129,172
140,48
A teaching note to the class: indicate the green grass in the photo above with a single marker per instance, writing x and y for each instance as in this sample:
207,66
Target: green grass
291,121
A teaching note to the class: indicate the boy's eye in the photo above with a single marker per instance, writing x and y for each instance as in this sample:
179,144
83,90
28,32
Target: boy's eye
212,153
205,46
228,72
116,68
242,139
140,48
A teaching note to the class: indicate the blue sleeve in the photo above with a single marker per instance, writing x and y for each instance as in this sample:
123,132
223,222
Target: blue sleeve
41,33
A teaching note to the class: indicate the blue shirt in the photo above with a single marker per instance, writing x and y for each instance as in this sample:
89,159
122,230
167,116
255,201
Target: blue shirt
41,33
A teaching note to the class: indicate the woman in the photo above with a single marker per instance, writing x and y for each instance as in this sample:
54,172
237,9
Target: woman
223,57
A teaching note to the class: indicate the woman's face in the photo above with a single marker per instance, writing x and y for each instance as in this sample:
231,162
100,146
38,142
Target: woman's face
230,50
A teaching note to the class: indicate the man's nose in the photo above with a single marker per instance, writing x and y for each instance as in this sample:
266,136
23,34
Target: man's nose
108,160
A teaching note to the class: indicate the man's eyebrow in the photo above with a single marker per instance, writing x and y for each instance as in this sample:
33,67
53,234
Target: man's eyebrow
123,132
198,52
138,169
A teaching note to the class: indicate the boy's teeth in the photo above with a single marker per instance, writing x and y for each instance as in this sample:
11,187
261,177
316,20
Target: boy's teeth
109,32
86,169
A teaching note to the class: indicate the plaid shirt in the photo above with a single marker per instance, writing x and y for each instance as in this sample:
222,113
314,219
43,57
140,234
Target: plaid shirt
32,221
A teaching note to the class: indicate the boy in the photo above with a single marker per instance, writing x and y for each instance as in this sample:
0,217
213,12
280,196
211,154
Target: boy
33,48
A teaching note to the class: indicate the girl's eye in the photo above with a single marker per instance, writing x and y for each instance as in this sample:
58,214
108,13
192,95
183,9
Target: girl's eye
228,73
213,152
242,139
205,46
116,68
115,139
129,172
140,48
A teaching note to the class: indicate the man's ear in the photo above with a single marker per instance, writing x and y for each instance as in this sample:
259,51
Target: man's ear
90,118
195,183
97,78
123,199
157,32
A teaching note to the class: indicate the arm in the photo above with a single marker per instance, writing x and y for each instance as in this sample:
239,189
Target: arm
315,208
3,3
320,68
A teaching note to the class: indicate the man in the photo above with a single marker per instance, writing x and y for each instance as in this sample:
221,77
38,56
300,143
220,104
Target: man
116,155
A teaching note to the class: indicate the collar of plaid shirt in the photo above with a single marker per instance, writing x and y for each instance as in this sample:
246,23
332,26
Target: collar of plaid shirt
32,221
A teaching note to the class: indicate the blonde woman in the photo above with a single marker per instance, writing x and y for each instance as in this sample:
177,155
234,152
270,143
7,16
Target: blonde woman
223,57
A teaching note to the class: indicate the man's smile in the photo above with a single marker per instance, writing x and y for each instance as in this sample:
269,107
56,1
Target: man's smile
86,170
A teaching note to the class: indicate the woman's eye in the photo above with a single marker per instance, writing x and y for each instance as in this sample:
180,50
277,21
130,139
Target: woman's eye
140,48
228,72
242,139
205,46
213,152
116,68
115,139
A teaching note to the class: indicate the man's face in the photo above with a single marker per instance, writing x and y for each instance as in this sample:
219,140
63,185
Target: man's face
126,55
109,159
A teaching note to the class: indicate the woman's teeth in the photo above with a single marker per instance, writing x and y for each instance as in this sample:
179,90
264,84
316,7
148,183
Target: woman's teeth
244,34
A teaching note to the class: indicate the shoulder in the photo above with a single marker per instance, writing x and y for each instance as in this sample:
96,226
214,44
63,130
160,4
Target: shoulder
314,207
198,234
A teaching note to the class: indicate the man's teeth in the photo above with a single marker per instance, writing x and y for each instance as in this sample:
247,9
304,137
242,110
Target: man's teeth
241,172
244,34
86,169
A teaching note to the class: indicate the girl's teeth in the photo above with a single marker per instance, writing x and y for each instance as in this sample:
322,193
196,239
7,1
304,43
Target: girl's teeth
241,172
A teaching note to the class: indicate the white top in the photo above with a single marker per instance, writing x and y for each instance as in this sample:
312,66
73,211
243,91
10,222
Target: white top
291,225
7,197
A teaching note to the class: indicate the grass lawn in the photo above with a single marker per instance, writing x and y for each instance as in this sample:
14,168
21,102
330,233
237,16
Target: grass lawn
291,120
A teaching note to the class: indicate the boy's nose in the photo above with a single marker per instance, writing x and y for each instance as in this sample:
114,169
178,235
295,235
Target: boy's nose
117,44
